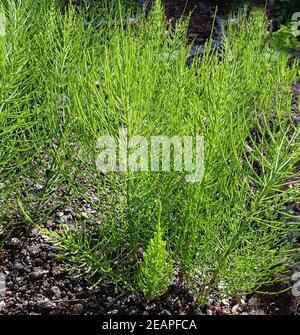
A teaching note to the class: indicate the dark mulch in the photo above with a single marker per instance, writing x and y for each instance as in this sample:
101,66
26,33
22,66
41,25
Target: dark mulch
37,283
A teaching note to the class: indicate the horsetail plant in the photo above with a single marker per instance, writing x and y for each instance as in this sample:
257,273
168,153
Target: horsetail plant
155,269
68,80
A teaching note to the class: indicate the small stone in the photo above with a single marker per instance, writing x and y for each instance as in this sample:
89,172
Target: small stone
8,293
197,312
170,301
36,232
55,291
2,305
133,312
56,271
10,302
23,288
20,267
235,309
15,242
113,312
38,273
59,214
254,302
225,302
38,262
78,309
69,217
44,306
50,224
164,312
34,250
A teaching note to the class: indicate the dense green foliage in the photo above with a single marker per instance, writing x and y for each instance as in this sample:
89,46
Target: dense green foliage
156,270
283,39
67,80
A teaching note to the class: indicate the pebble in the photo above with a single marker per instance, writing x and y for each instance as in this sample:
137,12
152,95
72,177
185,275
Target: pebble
55,291
38,262
196,312
253,302
38,274
225,302
235,309
78,309
15,242
164,312
10,302
44,306
33,250
113,312
50,224
21,268
59,214
2,305
133,312
56,271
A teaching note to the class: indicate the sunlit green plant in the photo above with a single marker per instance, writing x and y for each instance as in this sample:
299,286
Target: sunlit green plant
155,269
283,39
70,78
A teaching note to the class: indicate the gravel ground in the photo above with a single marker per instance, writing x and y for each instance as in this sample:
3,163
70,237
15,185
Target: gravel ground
33,281
37,283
